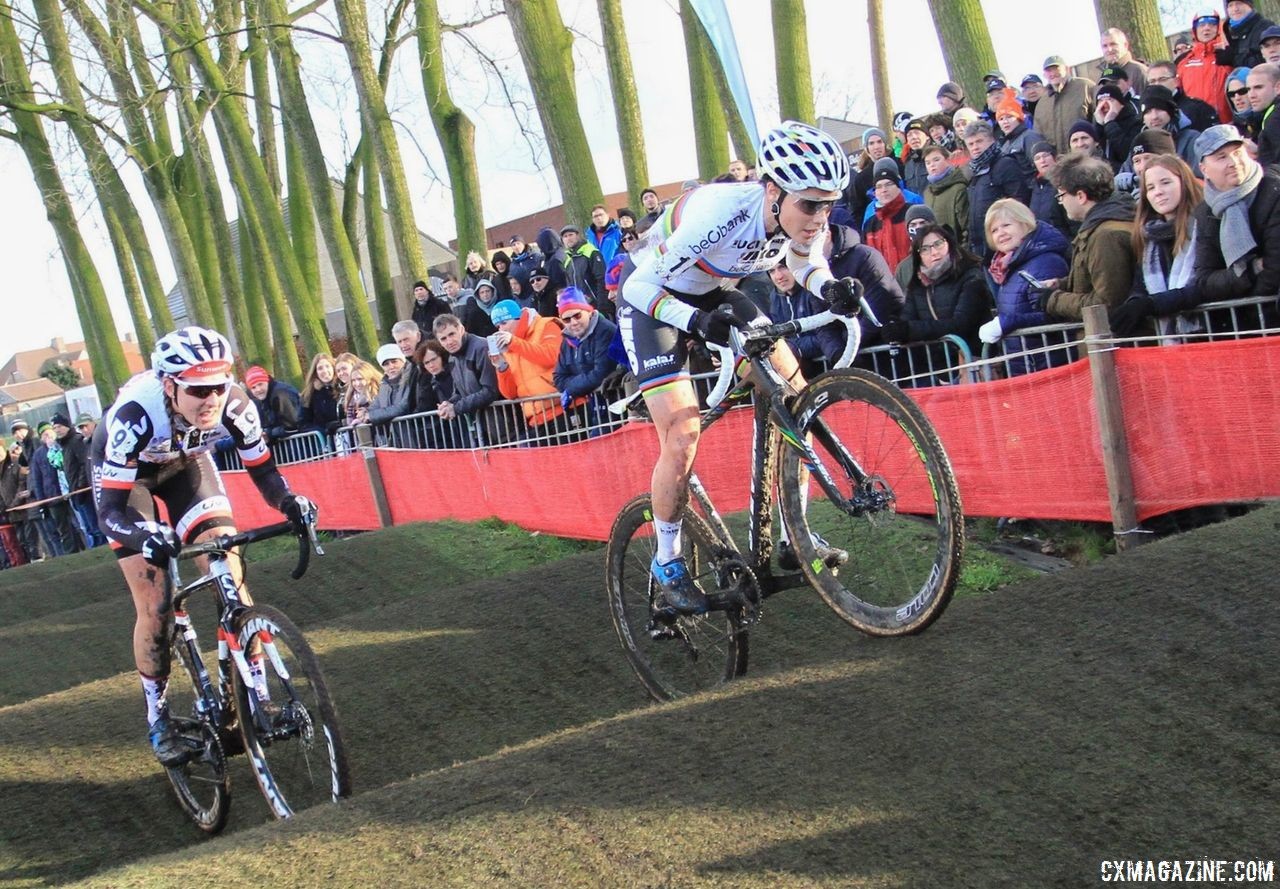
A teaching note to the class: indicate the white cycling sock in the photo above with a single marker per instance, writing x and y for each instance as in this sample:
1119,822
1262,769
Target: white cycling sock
153,688
783,536
668,540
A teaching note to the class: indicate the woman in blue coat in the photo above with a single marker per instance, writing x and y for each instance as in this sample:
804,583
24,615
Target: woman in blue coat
1022,244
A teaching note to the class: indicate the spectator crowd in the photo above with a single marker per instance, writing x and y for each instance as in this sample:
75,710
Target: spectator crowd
1149,188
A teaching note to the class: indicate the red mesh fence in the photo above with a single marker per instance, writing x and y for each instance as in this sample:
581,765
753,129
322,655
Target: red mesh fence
339,485
1202,422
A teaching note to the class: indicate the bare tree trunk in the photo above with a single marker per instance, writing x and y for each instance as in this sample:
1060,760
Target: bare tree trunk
1140,21
129,240
710,128
791,57
966,43
376,243
626,101
380,134
745,144
260,77
106,355
302,218
880,64
546,48
260,349
455,131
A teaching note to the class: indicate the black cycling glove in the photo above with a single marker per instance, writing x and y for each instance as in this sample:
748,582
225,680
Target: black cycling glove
714,326
1126,317
844,295
160,546
298,509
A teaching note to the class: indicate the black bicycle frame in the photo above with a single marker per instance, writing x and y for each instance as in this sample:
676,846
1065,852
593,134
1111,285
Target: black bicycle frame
773,424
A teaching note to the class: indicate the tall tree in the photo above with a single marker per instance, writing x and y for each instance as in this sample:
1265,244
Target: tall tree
745,144
1140,21
709,124
353,20
546,48
879,64
145,118
626,101
124,226
456,132
248,175
791,58
106,355
966,41
375,239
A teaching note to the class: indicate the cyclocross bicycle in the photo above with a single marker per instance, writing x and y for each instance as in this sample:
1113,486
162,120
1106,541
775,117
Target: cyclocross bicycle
267,697
883,491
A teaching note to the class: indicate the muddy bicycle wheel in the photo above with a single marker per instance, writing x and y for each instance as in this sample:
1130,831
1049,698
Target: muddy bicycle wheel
201,784
681,655
291,734
898,515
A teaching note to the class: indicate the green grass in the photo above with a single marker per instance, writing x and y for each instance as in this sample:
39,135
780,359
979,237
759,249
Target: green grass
498,738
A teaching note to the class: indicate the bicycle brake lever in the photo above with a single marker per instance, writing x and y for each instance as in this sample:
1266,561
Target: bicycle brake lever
869,312
315,541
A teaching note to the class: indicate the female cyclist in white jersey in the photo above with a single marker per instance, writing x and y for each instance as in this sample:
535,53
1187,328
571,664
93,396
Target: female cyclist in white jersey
714,235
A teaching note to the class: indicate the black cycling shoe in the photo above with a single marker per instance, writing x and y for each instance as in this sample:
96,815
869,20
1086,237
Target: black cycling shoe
833,557
678,588
167,742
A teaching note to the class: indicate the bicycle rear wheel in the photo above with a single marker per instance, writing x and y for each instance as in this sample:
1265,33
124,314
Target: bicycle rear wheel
672,657
294,742
201,784
899,515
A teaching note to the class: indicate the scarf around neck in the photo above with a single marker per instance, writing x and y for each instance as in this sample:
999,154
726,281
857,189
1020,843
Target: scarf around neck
939,271
984,160
1232,207
1159,233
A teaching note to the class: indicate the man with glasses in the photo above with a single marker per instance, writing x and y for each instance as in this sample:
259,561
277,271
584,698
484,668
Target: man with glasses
584,361
1201,114
711,237
155,444
1102,260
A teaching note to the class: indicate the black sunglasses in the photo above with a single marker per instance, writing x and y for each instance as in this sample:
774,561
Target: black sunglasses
810,207
1235,94
203,392
571,317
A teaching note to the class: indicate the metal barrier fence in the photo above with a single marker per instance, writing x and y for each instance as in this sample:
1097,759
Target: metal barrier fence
947,361
1052,345
298,448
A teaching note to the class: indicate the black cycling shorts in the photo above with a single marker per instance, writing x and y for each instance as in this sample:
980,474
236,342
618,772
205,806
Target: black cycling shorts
191,491
659,352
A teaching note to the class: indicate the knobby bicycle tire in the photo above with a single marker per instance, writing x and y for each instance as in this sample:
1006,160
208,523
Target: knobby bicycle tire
707,650
202,785
300,760
906,546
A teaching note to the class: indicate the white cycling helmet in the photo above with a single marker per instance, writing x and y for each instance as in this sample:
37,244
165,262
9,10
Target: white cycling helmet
193,355
797,156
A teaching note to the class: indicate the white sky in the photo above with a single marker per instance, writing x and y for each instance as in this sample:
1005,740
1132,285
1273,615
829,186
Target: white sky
40,304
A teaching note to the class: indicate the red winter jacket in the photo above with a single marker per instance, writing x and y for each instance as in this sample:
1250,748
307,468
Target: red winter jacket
886,231
1203,78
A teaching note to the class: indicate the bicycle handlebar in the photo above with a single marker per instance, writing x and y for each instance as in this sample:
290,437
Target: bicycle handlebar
227,542
741,339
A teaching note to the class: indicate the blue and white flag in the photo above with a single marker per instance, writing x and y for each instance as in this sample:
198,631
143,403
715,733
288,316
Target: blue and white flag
715,18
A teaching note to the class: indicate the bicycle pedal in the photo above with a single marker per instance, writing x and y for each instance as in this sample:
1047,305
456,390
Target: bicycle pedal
659,631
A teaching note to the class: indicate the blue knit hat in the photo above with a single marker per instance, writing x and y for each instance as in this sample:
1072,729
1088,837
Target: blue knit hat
505,310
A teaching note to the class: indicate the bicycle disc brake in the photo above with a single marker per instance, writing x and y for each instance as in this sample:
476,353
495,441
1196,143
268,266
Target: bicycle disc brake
873,495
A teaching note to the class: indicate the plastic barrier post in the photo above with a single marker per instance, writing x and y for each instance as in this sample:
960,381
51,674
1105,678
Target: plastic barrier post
1115,444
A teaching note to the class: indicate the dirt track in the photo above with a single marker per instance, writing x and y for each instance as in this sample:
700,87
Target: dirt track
1127,711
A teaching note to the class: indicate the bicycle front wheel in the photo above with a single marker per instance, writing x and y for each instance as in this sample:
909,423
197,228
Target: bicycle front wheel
898,512
674,657
291,732
201,784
